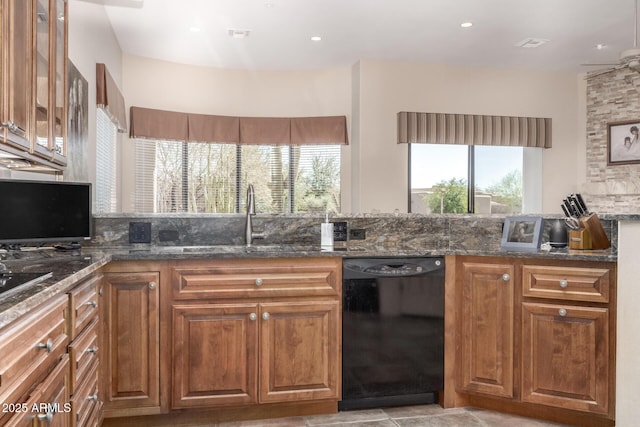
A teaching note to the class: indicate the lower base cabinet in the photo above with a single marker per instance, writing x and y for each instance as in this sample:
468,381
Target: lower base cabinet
255,353
565,356
129,359
537,337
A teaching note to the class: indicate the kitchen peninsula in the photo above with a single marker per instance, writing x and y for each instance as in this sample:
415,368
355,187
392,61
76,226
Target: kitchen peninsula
150,278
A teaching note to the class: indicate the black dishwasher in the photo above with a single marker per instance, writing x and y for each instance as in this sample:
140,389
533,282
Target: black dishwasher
392,331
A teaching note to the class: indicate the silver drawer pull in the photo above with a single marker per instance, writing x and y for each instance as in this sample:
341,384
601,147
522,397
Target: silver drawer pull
258,282
93,304
563,283
265,316
253,316
506,277
152,285
46,345
93,397
562,312
93,350
47,418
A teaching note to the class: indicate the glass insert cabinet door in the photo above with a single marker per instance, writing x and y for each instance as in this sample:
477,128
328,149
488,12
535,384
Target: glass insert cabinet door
42,21
50,25
15,76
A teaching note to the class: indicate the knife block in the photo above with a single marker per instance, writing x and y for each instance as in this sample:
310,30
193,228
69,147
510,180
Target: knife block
599,239
580,239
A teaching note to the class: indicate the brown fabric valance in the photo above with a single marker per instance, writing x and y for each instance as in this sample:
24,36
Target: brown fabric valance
159,124
175,126
467,129
109,97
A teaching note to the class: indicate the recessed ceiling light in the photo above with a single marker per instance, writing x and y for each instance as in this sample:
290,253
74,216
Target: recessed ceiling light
316,38
466,24
194,29
269,4
600,46
239,34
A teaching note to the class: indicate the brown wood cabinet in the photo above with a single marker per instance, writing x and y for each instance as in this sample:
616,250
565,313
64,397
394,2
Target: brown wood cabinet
536,334
16,50
130,342
30,349
255,331
33,104
486,320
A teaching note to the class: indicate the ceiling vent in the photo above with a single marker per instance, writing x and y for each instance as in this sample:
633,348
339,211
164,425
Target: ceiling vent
239,34
531,42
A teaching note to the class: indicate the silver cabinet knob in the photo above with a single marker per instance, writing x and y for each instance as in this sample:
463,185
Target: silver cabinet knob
152,285
93,349
562,312
563,283
93,397
265,316
46,345
47,418
100,292
506,277
91,303
253,316
258,282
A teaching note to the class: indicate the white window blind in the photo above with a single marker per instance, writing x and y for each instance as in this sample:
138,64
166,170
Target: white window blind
212,178
106,165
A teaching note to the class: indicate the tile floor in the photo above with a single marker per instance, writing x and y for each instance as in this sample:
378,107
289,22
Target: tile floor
406,416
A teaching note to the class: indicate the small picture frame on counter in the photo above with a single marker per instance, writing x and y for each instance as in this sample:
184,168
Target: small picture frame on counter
623,144
521,233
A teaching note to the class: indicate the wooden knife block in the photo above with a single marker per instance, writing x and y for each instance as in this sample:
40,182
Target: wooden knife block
590,236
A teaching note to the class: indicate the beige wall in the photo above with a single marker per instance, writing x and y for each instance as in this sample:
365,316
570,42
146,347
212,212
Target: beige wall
165,85
387,87
370,93
91,40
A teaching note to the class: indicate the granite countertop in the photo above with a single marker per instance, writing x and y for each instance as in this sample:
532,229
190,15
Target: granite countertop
69,268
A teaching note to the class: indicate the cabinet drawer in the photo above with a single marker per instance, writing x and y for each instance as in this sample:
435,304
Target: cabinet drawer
83,352
83,305
53,397
257,278
85,403
566,283
29,349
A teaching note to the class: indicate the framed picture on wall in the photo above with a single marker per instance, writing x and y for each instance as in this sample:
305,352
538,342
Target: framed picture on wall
623,144
521,233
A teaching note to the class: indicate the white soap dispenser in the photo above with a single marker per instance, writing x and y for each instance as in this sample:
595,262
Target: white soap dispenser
326,235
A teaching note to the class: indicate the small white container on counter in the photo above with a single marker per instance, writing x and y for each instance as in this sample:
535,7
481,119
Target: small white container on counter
326,235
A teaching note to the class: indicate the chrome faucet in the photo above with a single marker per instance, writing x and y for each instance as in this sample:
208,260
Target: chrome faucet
251,210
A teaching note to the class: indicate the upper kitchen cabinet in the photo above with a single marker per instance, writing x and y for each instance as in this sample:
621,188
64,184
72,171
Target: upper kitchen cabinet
16,48
50,29
34,65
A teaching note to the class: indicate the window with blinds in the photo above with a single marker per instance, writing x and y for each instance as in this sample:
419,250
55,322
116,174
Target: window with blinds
212,178
106,165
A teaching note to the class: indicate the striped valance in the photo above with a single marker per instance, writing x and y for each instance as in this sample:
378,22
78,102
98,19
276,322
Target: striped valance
469,129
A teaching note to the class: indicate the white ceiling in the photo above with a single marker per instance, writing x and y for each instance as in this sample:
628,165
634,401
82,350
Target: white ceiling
397,30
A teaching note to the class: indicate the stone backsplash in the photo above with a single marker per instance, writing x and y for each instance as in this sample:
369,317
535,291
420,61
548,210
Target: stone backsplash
382,231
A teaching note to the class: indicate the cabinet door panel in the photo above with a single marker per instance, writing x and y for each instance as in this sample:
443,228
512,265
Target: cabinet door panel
299,351
485,336
17,79
565,355
215,354
130,360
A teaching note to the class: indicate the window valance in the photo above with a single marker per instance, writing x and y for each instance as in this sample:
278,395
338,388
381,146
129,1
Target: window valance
169,125
468,129
109,98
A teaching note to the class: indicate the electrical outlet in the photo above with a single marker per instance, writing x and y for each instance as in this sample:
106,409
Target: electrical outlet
357,234
340,231
139,232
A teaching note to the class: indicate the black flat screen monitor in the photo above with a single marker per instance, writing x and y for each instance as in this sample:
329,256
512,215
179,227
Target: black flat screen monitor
38,212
